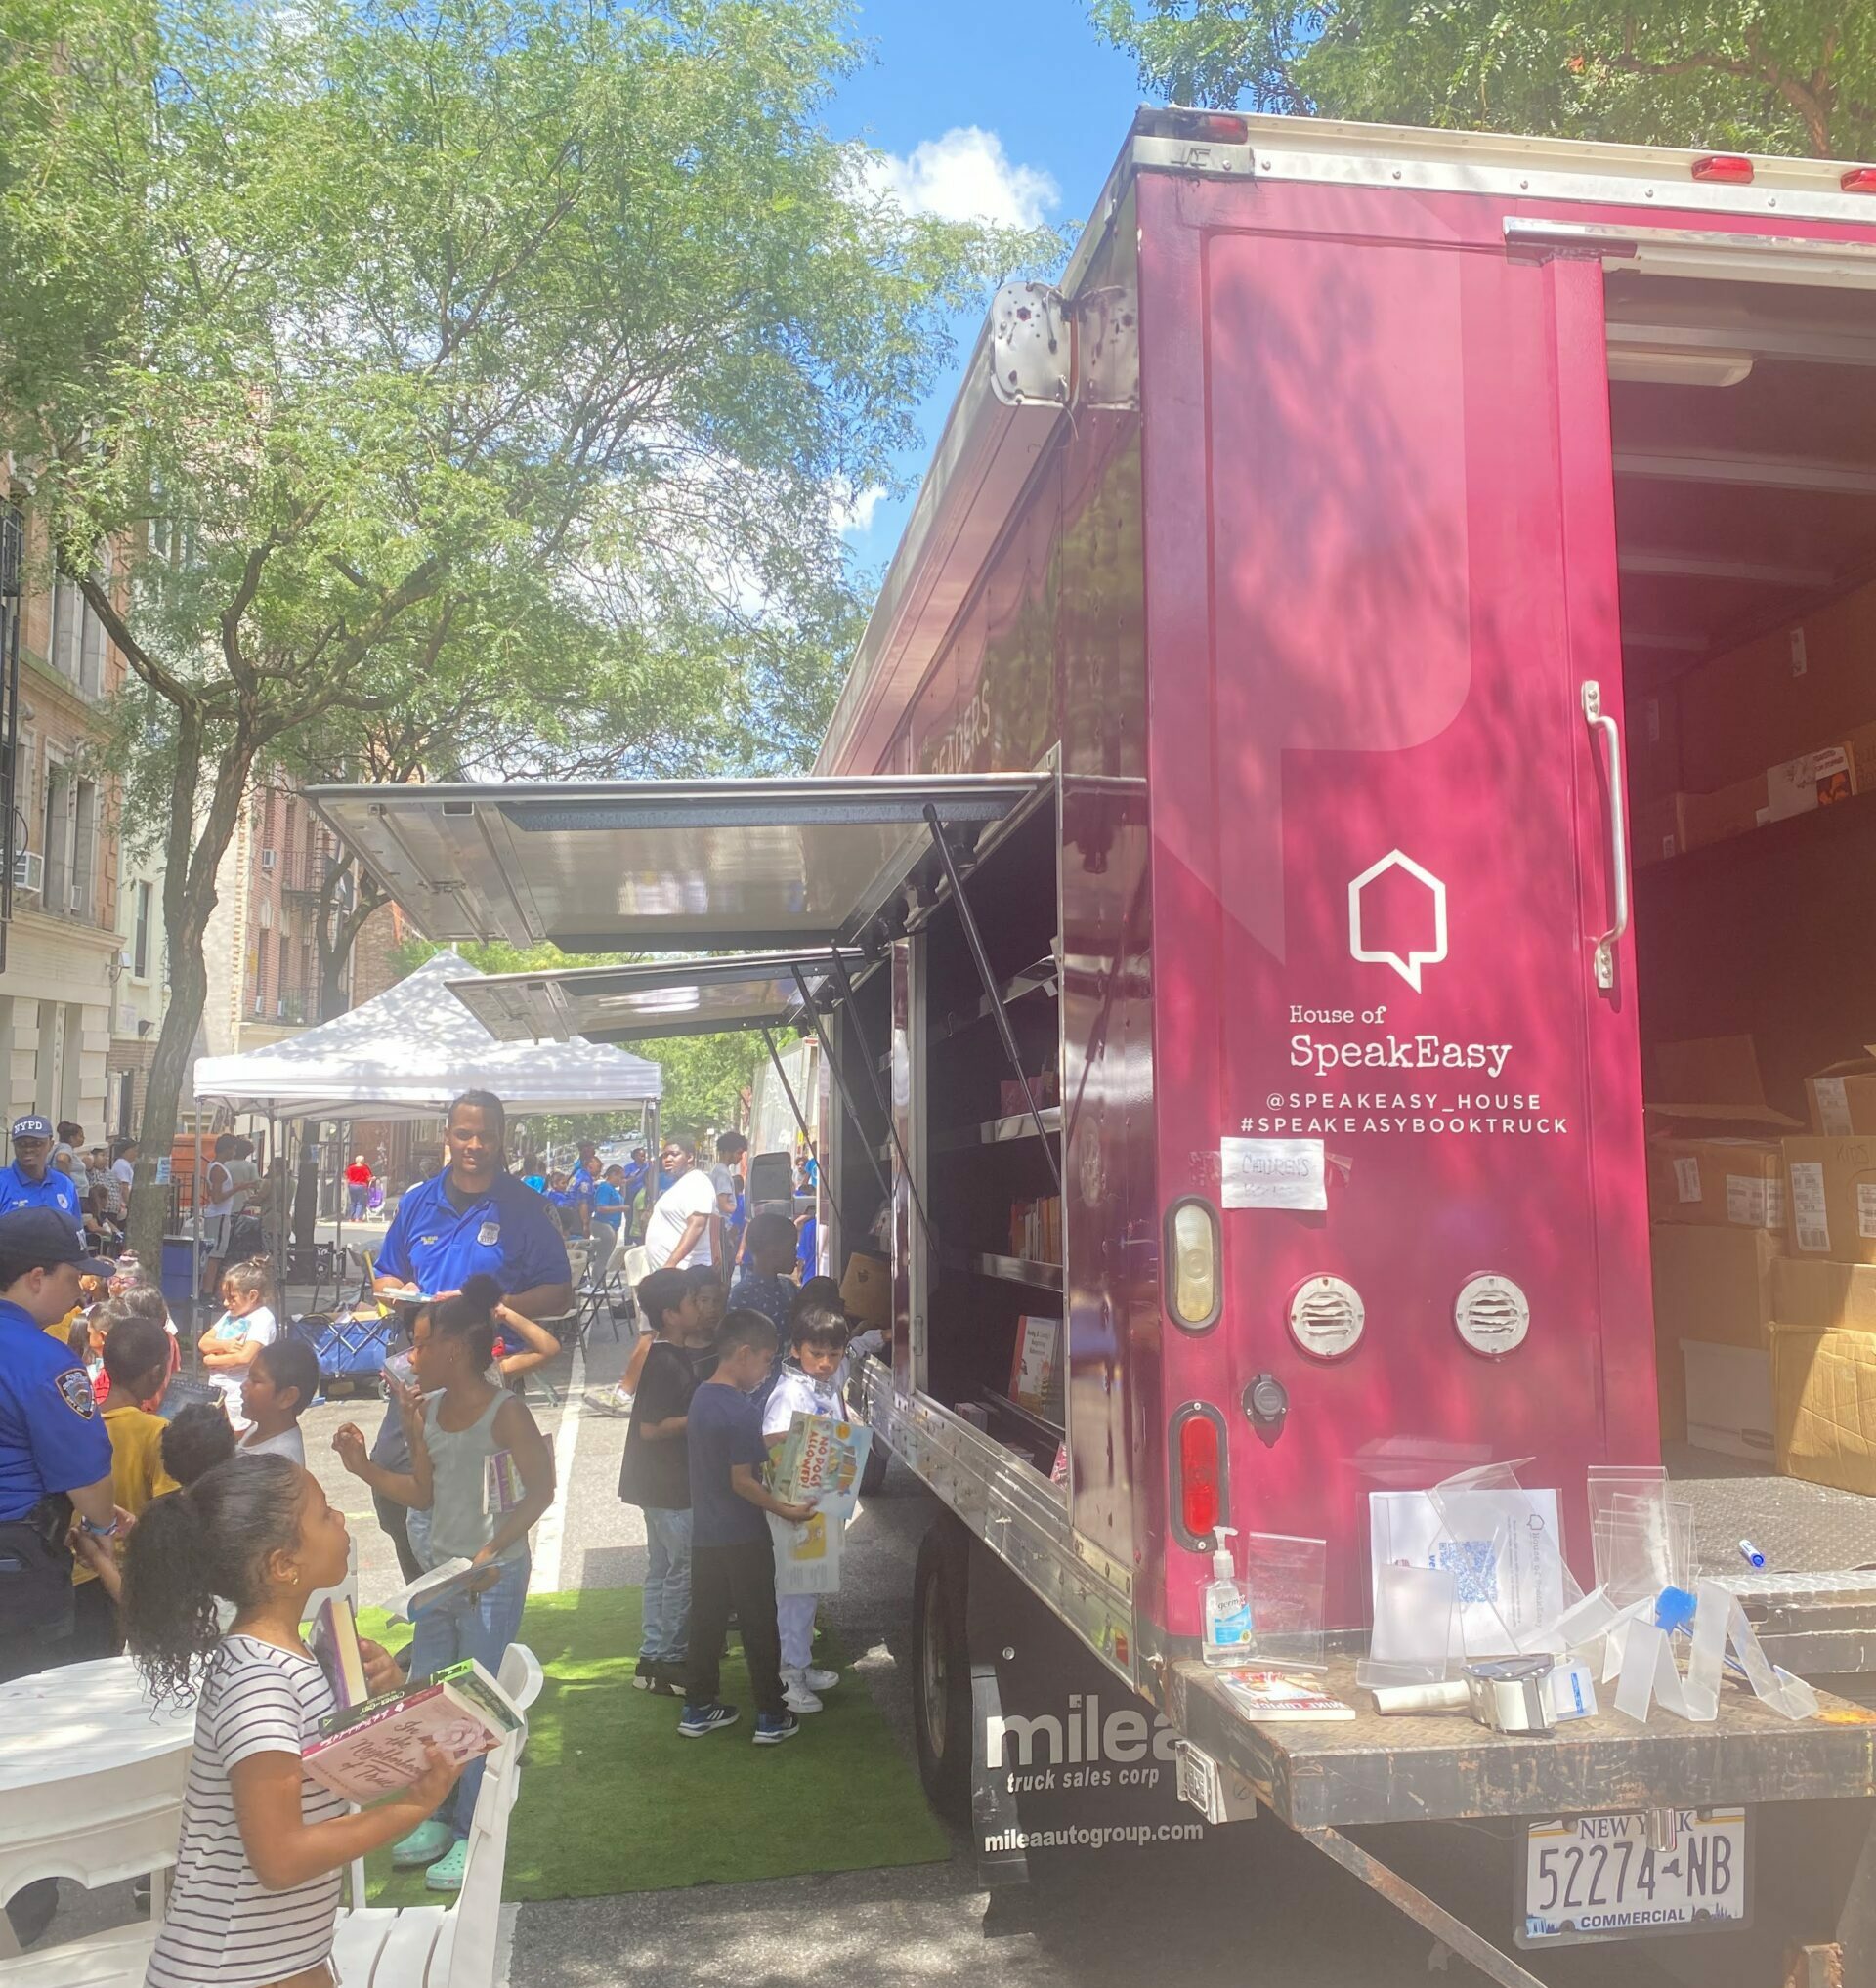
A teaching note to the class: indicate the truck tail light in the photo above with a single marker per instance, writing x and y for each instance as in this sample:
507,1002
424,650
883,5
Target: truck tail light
1728,168
1859,180
1194,1283
1200,1472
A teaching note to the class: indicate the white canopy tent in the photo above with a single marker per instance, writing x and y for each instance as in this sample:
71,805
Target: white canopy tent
406,1053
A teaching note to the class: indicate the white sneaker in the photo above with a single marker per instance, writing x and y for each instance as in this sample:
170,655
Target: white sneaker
795,1694
608,1400
819,1680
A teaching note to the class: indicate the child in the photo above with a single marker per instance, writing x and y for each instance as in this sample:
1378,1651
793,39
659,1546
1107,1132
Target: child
810,1383
256,1885
732,1561
457,1418
137,1361
245,1326
282,1382
655,1475
145,1300
200,1437
763,1282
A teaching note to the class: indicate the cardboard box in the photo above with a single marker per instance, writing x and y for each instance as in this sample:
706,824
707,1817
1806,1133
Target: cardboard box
1779,694
1712,1080
1661,829
1652,736
1717,1182
1842,1100
1728,812
1824,1406
1817,1295
1714,1285
1730,1402
866,1289
1831,1194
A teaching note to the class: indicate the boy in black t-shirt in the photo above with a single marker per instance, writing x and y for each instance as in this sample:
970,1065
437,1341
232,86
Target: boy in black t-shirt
733,1560
655,1474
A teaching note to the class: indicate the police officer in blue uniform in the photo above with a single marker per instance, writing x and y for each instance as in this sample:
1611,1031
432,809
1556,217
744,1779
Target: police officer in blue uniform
55,1460
32,1182
474,1216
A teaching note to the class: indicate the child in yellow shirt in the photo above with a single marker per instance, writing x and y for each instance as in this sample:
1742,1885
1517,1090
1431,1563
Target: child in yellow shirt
136,1362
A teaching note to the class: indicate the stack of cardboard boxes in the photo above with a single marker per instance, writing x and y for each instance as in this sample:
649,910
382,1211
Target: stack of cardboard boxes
1763,1242
1823,1343
1717,1205
1777,727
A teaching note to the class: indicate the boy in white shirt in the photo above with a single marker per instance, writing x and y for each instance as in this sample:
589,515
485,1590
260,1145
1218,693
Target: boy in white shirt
810,1383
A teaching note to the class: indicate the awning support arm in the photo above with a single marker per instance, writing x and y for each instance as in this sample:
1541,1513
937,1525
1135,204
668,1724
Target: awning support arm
871,1069
847,1098
787,1091
992,994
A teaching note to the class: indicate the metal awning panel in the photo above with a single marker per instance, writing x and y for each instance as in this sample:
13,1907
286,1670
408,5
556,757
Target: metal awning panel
661,865
650,1000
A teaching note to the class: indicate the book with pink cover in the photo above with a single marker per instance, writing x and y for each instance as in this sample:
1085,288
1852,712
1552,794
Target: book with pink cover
377,1748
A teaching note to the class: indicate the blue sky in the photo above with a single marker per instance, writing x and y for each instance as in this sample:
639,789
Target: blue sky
1015,109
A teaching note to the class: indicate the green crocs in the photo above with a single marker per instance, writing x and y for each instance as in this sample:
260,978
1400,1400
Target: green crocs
446,1874
424,1845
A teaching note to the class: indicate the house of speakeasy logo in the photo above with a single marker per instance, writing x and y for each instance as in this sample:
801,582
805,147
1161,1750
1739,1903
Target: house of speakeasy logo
1431,918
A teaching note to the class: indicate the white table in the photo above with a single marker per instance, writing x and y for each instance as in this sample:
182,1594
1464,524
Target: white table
91,1780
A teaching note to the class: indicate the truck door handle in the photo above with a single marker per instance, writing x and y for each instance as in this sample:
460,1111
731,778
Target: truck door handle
1600,721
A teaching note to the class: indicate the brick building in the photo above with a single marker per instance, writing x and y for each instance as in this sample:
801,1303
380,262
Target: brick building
63,945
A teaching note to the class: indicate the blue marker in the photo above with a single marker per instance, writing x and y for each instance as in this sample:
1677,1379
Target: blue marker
1751,1554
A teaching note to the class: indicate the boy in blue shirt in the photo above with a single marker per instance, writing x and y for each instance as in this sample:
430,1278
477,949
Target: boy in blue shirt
731,1560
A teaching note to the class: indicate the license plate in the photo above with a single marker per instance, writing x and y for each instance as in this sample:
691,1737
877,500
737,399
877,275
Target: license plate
1627,1877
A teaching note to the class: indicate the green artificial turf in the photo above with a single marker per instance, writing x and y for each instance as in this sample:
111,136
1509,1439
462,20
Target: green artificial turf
612,1799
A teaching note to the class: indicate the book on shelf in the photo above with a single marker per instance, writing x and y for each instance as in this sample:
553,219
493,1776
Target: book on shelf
1036,1230
1035,1381
334,1642
1277,1695
377,1748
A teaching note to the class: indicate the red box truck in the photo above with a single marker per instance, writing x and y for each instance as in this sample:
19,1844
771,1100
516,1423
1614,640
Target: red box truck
1310,594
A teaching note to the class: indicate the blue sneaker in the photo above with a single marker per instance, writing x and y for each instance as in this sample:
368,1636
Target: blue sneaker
773,1727
700,1719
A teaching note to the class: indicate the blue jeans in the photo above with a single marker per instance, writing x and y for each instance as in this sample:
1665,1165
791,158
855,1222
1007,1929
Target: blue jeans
358,1197
667,1587
482,1626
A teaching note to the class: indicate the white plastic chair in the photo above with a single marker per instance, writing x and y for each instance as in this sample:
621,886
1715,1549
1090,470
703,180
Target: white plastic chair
422,1946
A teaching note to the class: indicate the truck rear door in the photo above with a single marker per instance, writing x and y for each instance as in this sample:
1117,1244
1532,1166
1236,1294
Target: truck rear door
1381,577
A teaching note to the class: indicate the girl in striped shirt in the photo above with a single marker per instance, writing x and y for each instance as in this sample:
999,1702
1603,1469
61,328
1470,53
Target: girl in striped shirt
256,1888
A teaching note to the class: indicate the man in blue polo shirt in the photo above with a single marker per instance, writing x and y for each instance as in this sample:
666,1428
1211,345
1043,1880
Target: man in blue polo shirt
473,1215
32,1182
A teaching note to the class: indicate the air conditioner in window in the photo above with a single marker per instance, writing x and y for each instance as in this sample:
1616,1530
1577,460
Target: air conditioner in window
270,858
28,871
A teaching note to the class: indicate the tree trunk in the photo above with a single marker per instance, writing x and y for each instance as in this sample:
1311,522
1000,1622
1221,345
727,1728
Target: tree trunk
188,897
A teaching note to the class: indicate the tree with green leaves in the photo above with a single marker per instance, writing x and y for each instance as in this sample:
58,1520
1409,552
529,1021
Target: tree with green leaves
1739,75
522,350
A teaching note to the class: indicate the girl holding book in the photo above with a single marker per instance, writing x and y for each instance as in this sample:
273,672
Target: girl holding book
485,1474
256,1888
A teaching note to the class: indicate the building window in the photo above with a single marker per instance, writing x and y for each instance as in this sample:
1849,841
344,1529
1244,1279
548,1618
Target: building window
57,836
84,849
140,934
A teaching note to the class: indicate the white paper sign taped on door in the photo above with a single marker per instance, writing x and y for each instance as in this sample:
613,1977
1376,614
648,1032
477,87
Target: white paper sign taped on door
1810,1222
1686,1176
1833,1106
1272,1173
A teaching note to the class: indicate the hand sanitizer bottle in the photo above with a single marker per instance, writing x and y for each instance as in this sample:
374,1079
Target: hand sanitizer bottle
1228,1607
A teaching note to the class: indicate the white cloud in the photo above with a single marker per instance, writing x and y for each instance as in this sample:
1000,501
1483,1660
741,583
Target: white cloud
965,176
853,516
